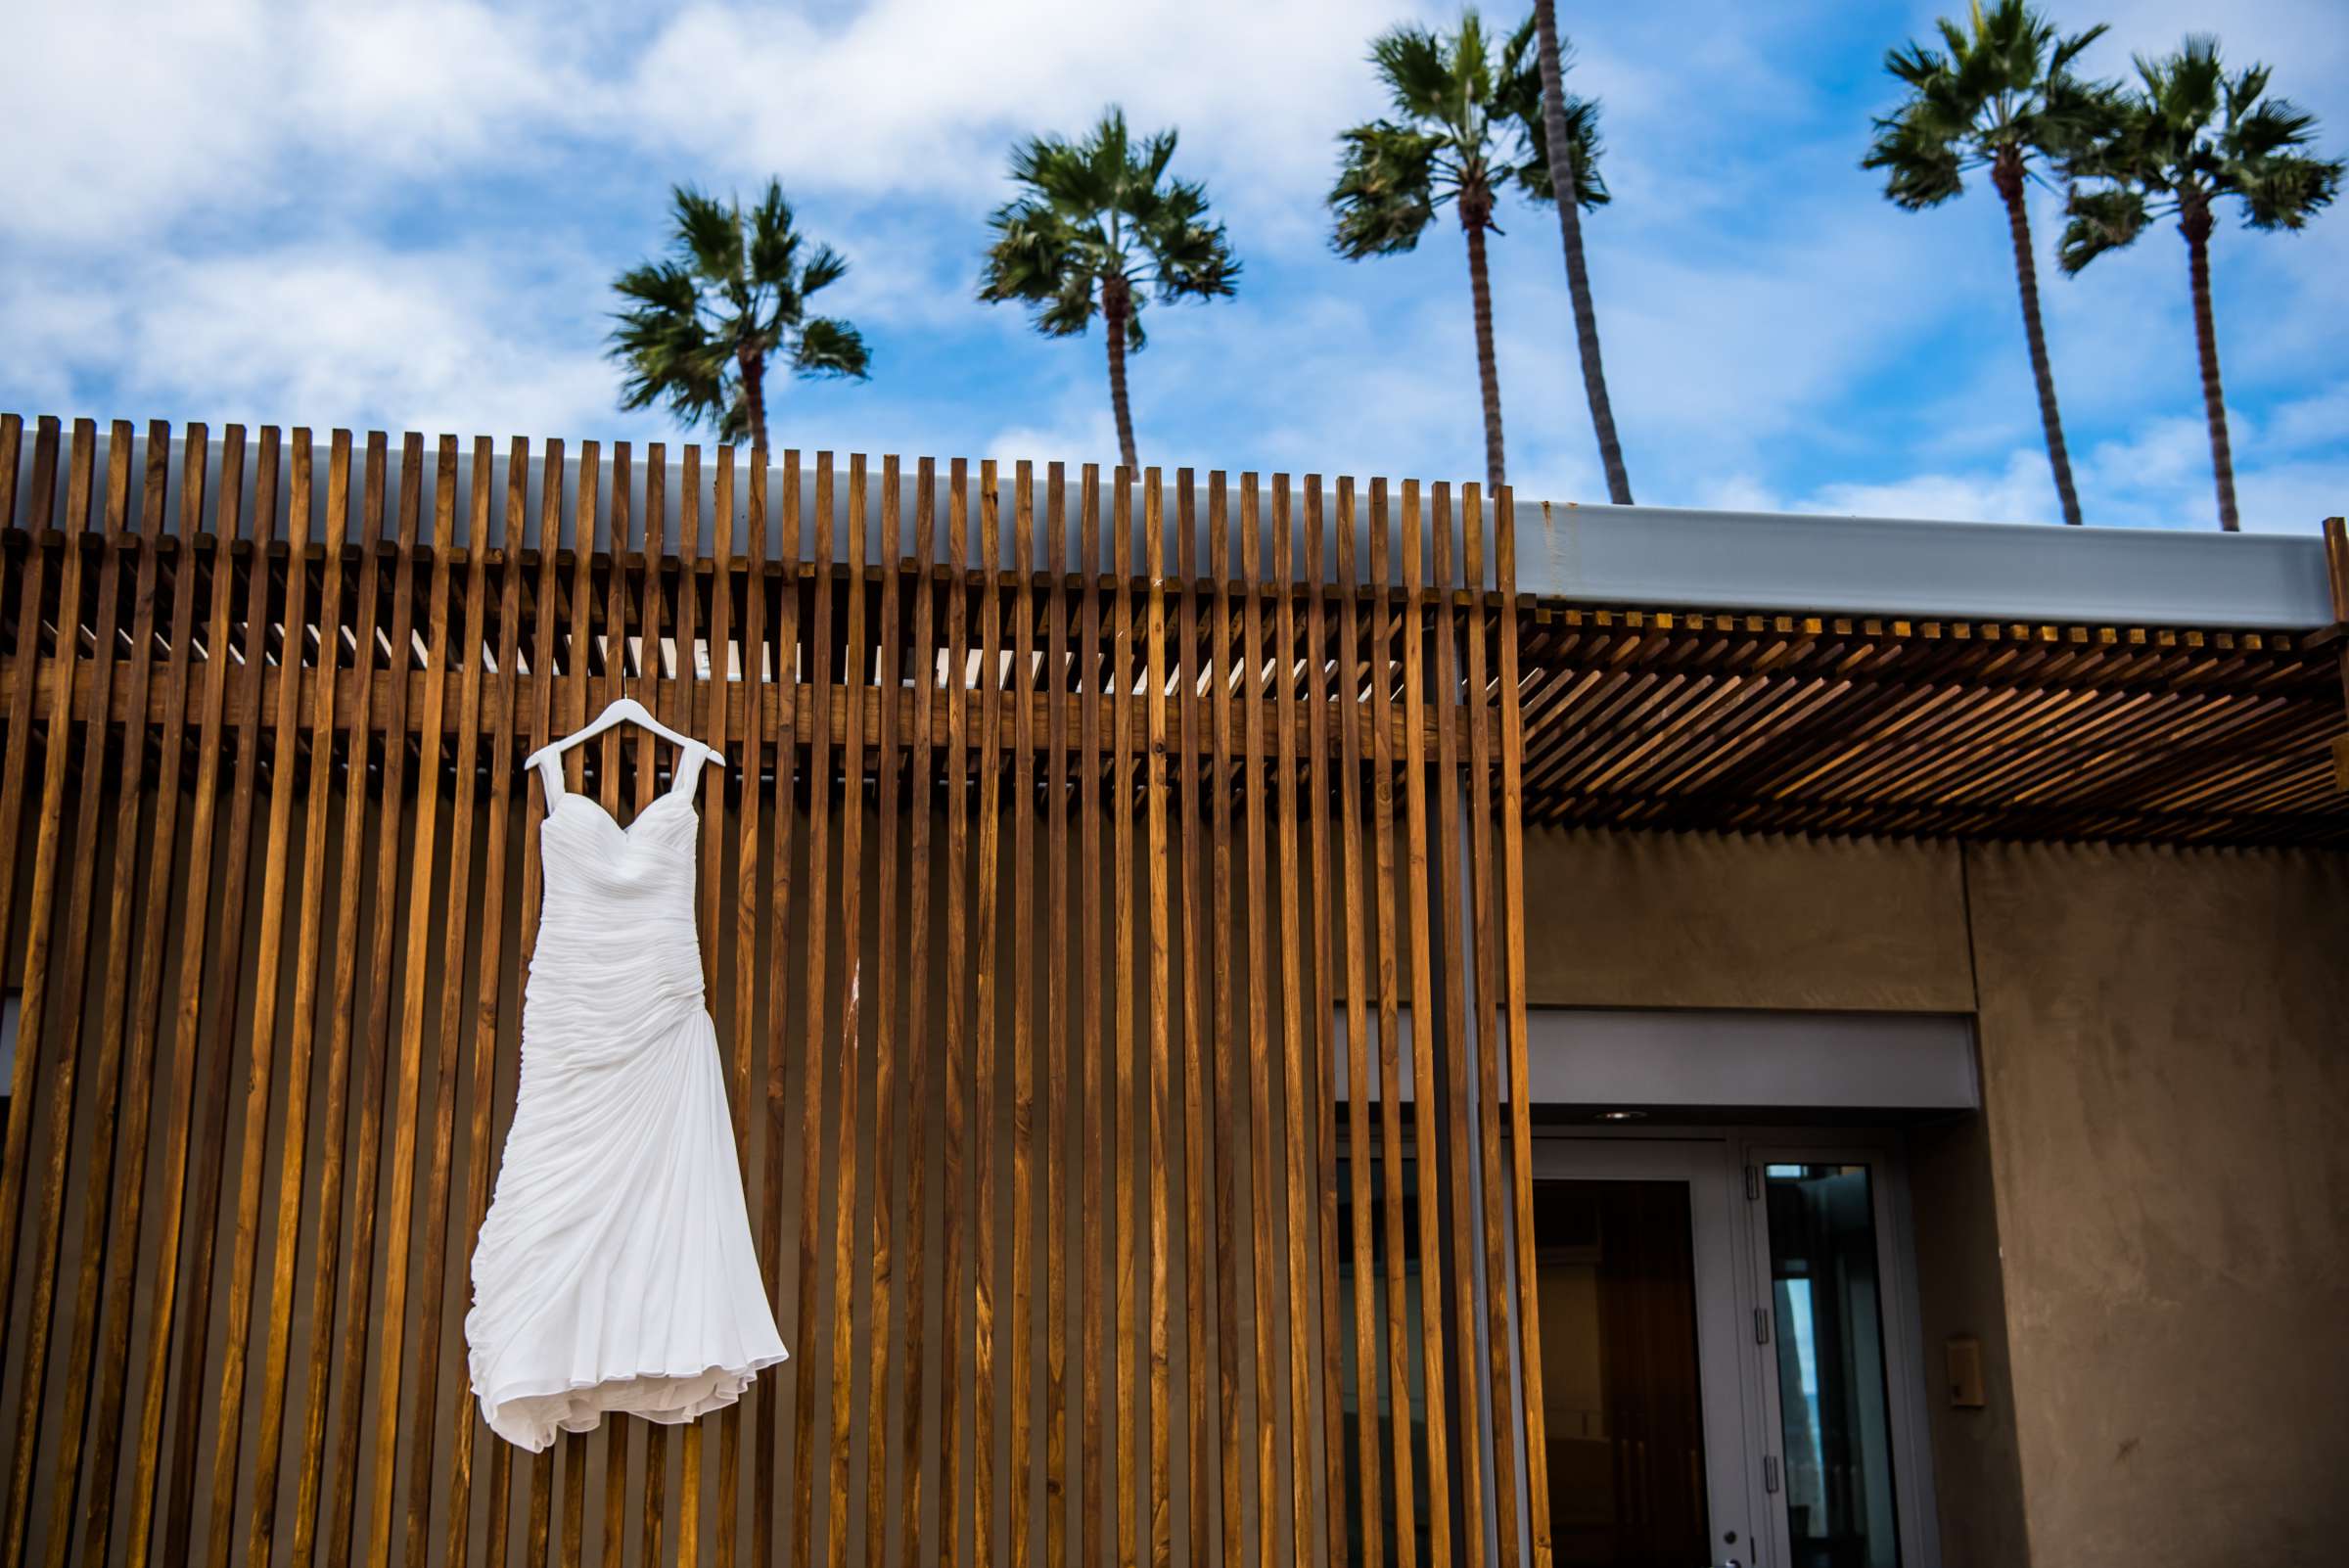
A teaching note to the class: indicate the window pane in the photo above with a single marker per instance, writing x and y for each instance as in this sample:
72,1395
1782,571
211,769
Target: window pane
1832,1407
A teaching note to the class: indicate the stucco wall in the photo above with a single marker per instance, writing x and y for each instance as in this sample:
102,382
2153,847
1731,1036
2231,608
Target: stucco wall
1708,920
2165,1045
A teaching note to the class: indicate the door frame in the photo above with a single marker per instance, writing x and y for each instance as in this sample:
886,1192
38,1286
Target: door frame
1718,1157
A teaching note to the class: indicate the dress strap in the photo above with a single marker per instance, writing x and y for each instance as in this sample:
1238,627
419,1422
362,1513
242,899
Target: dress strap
689,767
550,772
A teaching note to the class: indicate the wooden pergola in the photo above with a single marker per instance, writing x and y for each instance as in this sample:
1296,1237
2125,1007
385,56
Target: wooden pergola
1133,786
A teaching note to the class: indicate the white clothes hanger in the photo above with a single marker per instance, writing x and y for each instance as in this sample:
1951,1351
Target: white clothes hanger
629,710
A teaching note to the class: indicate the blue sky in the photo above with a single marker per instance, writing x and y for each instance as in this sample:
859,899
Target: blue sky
406,216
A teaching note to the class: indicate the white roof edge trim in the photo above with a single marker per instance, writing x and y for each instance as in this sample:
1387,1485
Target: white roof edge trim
1659,557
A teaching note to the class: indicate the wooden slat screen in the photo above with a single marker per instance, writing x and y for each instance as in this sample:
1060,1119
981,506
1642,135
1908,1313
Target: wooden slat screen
1099,863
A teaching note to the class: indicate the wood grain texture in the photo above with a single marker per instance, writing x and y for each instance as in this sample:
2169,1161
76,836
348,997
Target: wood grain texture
955,1445
1265,1273
845,1360
59,1105
1423,917
1361,1070
1389,893
1023,1010
811,1083
1160,1479
109,1088
922,665
1512,925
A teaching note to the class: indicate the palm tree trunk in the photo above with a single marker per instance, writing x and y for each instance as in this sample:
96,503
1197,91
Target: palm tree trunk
1577,276
1473,215
2195,223
1116,305
754,396
2006,174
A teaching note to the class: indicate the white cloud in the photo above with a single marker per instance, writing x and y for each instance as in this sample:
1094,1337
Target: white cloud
353,334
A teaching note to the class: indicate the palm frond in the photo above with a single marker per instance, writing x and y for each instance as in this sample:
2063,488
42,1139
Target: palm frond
1385,193
2097,221
1410,61
708,236
829,347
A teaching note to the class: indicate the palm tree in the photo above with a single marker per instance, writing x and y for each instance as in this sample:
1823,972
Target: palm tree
700,326
2188,135
1563,129
2003,98
1097,226
1457,136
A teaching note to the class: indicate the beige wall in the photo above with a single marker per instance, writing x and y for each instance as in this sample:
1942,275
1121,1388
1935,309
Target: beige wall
2165,1045
2157,1192
1708,920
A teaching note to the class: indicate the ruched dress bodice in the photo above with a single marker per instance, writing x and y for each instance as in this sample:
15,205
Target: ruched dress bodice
614,1269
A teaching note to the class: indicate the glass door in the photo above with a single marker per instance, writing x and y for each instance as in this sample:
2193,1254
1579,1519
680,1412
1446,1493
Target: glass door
1843,1447
1643,1367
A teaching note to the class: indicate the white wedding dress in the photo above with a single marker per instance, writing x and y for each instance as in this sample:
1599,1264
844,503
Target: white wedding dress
615,1270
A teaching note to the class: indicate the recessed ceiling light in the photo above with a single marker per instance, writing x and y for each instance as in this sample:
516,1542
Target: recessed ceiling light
1621,1116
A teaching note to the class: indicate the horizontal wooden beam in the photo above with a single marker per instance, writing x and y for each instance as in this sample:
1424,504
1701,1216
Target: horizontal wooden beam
804,701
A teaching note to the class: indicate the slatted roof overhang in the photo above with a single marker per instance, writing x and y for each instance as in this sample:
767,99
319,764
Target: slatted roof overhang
1750,672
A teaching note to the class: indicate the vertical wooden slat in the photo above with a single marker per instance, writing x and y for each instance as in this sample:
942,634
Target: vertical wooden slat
952,1195
1023,981
543,697
451,1031
1198,1044
1231,1133
419,952
1162,1001
388,901
851,1050
1320,1067
23,1077
1359,1068
206,1156
62,1077
28,581
614,547
578,646
113,1354
1057,693
922,666
1444,909
1479,803
986,946
1390,1029
707,711
1421,912
778,1003
1294,1098
308,944
334,1115
1512,925
260,1072
887,828
1091,1537
649,747
1256,791
812,1089
489,974
1121,996
111,1085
